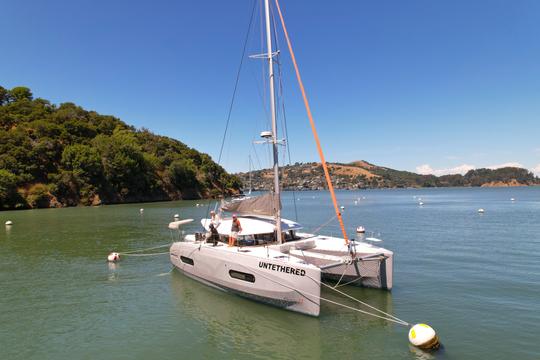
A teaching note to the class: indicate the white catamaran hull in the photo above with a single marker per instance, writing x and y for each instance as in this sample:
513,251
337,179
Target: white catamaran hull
369,266
284,282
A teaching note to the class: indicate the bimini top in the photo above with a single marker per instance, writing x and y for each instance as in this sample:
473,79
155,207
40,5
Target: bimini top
252,225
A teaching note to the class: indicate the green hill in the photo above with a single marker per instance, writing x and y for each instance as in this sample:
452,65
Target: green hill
63,155
362,175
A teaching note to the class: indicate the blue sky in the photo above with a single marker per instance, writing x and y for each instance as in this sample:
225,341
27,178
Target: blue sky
420,85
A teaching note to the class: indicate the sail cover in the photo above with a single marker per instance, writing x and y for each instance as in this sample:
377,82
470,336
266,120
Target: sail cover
257,205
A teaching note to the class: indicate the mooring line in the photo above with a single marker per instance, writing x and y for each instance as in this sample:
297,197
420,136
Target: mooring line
388,317
403,322
146,249
152,254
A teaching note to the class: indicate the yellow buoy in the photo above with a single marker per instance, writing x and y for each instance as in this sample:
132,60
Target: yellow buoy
424,337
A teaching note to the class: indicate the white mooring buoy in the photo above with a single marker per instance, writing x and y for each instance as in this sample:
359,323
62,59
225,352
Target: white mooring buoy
9,223
512,199
342,207
141,210
424,337
480,211
176,216
113,257
420,203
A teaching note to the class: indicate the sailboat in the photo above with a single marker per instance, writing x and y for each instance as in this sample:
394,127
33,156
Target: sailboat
242,196
273,260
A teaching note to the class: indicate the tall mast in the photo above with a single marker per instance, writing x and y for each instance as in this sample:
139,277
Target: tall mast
277,192
250,176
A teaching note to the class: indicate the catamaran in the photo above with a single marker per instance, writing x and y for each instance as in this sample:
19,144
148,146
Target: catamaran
273,260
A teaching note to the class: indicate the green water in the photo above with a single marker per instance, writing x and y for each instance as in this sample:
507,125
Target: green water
475,278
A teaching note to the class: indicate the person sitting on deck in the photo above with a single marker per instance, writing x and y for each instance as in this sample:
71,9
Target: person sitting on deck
214,235
235,229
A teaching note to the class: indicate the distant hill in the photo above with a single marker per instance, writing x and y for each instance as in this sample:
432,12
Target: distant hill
63,155
363,175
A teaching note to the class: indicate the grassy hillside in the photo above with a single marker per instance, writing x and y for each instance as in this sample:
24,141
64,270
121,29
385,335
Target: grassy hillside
64,156
361,175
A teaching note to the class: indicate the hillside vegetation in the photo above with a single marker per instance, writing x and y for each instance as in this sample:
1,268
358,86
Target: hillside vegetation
64,156
362,175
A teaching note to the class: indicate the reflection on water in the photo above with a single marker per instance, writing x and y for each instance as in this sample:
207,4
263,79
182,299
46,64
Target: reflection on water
473,278
246,327
241,326
420,354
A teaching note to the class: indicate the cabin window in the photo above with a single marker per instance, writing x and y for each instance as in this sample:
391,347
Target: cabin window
262,239
242,276
187,260
290,236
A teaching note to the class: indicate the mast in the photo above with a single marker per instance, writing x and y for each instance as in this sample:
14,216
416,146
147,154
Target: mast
249,165
277,192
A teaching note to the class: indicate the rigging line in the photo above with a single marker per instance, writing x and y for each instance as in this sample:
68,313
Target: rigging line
286,131
313,128
237,81
323,225
284,116
263,67
261,97
234,93
256,155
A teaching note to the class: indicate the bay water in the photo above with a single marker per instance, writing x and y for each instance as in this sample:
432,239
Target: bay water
474,277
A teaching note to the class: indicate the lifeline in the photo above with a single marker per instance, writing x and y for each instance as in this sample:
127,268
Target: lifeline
285,269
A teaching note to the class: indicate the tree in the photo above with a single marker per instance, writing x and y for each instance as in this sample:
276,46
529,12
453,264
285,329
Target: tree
3,96
84,161
38,196
8,189
20,93
183,174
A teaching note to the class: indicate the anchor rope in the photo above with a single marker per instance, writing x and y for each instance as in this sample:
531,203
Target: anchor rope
152,254
141,250
403,322
342,275
388,317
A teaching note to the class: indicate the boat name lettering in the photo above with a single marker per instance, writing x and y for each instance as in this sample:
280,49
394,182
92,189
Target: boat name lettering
281,268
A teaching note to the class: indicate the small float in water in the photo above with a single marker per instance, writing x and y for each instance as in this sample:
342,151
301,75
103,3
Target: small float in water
9,223
360,229
373,239
421,203
113,257
481,211
512,199
141,210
